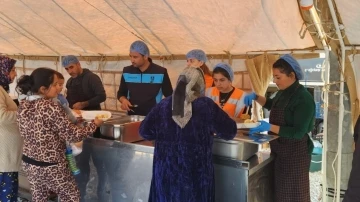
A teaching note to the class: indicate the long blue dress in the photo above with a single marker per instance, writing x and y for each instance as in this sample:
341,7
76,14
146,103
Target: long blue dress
183,168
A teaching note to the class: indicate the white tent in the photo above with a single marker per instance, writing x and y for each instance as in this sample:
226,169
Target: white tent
222,28
351,24
170,27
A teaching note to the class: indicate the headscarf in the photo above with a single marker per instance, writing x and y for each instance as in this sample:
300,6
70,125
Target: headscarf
227,68
190,85
197,54
6,64
294,65
140,47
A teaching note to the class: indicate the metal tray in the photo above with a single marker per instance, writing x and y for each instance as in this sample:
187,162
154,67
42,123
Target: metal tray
234,149
124,129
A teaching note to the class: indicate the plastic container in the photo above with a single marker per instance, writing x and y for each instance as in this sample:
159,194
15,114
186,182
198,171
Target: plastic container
317,150
319,111
316,159
72,164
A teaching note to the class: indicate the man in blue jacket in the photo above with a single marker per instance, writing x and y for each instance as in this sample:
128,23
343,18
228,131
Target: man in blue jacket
143,84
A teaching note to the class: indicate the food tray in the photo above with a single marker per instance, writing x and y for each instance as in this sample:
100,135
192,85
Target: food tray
90,115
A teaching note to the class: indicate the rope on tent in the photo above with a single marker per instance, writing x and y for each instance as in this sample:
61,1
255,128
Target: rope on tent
87,59
118,60
353,53
210,58
230,60
169,59
57,62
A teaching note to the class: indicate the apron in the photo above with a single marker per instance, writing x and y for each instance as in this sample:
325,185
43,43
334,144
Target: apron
292,162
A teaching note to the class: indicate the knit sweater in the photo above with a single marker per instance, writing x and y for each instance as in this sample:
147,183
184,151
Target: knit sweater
10,139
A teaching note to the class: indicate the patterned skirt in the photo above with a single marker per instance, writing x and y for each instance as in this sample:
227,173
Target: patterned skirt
8,186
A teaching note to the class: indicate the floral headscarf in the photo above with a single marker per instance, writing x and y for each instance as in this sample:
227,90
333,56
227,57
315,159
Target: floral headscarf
190,85
6,64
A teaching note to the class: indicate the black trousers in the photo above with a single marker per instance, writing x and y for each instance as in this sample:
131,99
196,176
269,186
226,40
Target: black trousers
352,193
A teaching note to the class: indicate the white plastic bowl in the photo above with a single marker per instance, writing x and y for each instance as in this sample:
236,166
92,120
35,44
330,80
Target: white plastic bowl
90,115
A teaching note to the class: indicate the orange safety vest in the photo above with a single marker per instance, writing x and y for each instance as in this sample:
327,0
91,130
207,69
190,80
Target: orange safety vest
208,81
234,106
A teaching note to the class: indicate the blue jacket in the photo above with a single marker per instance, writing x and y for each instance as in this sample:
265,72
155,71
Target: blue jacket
144,89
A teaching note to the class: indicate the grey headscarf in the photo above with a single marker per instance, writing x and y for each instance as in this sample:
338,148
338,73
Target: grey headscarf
190,85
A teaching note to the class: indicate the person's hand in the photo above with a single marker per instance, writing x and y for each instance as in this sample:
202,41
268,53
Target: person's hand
125,104
249,98
79,105
264,126
79,120
260,138
98,122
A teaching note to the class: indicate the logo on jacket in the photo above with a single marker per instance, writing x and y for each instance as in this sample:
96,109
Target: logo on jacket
152,78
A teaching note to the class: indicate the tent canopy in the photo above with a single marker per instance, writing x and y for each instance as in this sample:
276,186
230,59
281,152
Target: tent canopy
349,12
108,27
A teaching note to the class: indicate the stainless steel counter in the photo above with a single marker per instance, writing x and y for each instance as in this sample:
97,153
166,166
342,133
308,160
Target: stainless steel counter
121,170
234,178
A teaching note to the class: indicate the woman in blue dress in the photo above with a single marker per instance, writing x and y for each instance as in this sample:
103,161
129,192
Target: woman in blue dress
183,127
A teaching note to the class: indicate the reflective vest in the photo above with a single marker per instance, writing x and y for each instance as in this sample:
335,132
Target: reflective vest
208,81
234,106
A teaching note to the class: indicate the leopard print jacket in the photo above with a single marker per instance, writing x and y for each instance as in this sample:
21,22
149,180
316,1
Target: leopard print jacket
45,128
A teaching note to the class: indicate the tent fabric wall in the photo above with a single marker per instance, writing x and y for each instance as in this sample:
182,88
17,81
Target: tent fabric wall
108,27
110,73
349,12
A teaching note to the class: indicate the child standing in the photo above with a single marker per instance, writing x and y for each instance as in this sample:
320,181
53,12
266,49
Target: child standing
60,99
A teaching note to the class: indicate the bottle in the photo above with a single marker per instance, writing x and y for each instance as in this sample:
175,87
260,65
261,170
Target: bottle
70,158
319,111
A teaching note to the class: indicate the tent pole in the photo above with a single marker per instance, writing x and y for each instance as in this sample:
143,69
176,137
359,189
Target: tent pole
315,18
341,97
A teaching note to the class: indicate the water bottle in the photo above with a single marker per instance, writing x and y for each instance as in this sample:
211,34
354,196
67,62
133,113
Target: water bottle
319,111
71,160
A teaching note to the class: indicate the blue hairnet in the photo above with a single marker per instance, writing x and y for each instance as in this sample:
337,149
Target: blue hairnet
140,47
68,60
227,68
197,54
294,65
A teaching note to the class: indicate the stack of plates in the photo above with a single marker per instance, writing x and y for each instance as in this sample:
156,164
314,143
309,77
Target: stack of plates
247,125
